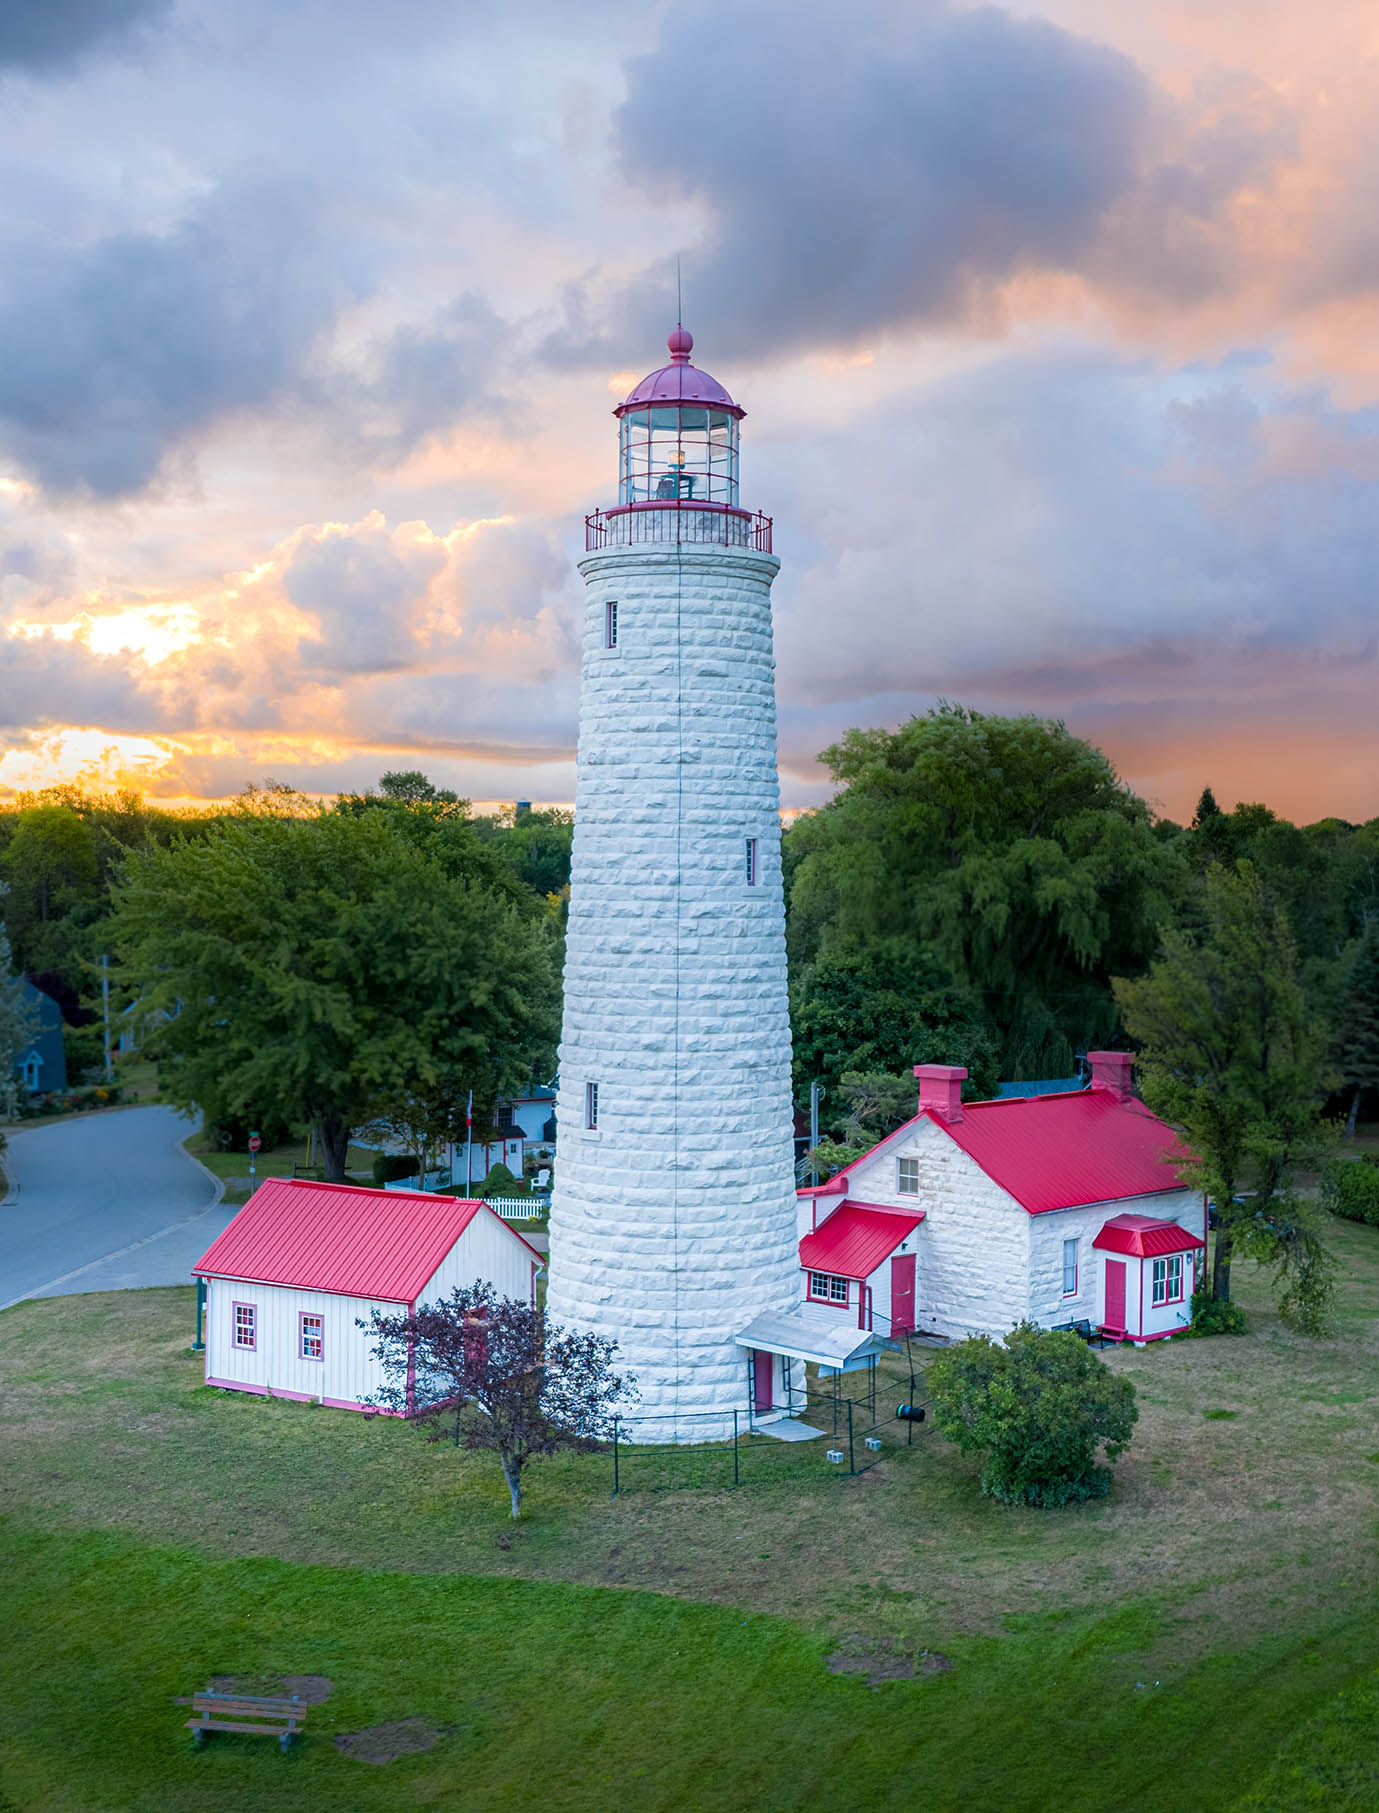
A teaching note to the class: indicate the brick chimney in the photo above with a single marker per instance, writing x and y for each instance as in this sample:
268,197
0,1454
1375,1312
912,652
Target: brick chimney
1111,1073
940,1089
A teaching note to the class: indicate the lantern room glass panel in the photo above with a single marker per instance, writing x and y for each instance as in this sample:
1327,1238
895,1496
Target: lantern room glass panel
678,453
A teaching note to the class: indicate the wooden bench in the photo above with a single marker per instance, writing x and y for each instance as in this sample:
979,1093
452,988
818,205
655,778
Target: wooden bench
258,1715
1084,1332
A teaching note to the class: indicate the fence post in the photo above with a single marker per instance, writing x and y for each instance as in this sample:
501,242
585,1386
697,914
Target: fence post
736,1477
852,1464
615,1457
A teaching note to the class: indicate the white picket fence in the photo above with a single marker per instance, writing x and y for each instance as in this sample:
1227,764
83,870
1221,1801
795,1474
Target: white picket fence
519,1208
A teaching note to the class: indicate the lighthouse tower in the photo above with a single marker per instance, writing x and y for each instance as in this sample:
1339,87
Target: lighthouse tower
673,1221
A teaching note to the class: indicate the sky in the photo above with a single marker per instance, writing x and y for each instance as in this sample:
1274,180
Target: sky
1055,325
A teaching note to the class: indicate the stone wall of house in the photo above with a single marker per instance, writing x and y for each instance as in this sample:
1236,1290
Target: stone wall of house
673,1221
1047,1303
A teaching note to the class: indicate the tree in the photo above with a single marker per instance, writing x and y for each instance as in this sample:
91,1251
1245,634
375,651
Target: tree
1005,849
50,865
883,1007
1038,1409
491,1374
18,1023
327,963
1231,1054
1357,1036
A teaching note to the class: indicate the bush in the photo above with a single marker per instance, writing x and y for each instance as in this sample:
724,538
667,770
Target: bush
501,1182
1038,1409
1212,1318
1351,1189
392,1167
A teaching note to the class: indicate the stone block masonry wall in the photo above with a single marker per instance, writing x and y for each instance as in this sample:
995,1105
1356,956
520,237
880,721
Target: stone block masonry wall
673,1222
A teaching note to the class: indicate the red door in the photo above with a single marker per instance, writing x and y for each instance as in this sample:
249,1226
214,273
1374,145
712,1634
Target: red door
902,1293
1115,1294
763,1373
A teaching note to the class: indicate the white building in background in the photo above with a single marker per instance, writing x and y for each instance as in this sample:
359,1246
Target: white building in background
673,1216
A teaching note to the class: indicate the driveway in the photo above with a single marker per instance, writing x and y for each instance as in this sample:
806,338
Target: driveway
104,1202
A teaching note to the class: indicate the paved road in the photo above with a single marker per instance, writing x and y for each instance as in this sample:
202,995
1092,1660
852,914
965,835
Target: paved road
106,1202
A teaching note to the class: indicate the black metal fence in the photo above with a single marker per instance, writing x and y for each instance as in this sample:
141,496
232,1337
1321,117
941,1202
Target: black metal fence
858,1424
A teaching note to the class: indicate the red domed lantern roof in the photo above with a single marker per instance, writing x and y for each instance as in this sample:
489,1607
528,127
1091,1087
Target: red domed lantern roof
680,382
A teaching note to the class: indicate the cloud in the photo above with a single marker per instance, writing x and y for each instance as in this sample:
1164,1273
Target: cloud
877,170
47,37
118,352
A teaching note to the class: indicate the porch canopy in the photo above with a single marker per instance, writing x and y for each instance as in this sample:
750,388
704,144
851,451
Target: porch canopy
814,1340
1144,1237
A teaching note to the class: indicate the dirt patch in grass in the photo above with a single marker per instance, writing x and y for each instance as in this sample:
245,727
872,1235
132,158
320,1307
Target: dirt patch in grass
386,1743
311,1690
879,1659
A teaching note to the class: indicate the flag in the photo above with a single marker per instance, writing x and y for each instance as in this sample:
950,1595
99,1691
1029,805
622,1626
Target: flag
469,1112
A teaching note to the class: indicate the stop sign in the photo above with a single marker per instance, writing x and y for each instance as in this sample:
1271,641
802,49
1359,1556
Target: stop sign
254,1142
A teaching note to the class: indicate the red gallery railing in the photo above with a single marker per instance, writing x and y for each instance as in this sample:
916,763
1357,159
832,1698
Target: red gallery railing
632,524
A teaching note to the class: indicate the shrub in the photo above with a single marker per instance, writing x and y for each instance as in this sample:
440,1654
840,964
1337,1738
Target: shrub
1351,1190
1212,1318
500,1182
1038,1409
392,1167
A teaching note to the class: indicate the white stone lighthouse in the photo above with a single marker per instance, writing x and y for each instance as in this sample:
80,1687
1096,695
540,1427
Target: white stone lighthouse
673,1218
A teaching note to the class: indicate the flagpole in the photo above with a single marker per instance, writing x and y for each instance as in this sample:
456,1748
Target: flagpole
469,1146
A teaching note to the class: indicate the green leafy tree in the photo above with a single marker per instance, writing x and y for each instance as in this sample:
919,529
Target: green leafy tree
1007,850
1038,1410
492,1375
874,1104
18,1023
1231,1054
882,1007
51,868
1357,1039
329,963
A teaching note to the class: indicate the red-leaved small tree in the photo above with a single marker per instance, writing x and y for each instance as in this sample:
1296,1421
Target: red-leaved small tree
490,1373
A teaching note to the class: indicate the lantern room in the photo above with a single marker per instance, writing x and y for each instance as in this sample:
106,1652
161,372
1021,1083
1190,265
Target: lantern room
677,463
678,435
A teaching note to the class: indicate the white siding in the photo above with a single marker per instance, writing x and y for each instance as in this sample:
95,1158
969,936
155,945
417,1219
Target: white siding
486,1250
346,1373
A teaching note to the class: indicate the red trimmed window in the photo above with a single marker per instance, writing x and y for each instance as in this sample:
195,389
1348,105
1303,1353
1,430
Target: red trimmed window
610,624
753,874
907,1177
1168,1280
1070,1268
311,1336
246,1325
825,1287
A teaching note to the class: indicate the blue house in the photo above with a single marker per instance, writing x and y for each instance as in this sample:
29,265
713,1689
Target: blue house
42,1065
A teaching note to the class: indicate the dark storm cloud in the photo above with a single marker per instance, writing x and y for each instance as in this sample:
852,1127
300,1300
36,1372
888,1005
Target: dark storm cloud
117,352
874,170
47,37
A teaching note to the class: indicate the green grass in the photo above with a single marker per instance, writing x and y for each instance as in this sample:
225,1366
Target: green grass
233,1167
570,1697
1168,1640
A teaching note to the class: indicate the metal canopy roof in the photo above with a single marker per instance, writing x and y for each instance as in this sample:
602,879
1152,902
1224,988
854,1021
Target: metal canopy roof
856,1238
822,1343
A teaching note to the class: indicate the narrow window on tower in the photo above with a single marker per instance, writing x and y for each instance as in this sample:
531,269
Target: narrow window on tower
591,1105
752,875
610,624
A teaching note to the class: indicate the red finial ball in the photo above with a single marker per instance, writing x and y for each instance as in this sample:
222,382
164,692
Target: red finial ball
681,343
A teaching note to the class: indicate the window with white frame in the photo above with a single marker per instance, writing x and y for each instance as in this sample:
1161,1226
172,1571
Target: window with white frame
591,1106
246,1325
825,1287
907,1176
311,1336
753,875
1070,1268
1168,1280
610,624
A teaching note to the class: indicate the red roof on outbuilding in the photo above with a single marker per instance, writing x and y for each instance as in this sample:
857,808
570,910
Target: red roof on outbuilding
1144,1238
856,1238
341,1237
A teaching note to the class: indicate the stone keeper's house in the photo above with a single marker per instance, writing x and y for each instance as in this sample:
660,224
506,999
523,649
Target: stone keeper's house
972,1216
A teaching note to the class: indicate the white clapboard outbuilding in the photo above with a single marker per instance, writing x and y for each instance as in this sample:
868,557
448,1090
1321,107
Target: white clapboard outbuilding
300,1266
1058,1209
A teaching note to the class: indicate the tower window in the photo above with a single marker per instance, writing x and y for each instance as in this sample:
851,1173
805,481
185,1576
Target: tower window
610,624
753,875
1069,1268
591,1105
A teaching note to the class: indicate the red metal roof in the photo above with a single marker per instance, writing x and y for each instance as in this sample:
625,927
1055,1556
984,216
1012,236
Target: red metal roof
680,382
856,1238
341,1237
1144,1238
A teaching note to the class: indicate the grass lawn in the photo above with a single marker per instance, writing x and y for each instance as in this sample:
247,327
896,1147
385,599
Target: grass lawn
234,1166
1207,1633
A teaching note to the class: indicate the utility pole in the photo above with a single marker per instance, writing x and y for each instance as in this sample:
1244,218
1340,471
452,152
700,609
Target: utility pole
816,1095
105,1003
